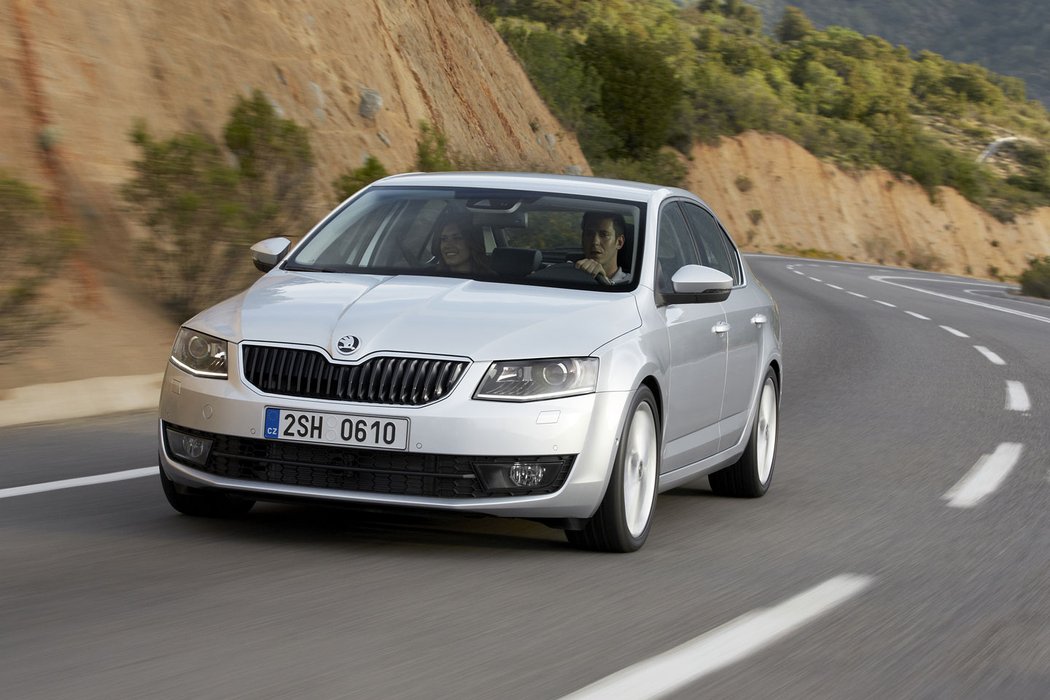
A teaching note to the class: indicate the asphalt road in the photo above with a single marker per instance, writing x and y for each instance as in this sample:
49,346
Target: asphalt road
902,552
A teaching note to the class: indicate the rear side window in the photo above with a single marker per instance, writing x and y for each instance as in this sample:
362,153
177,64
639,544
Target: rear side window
716,250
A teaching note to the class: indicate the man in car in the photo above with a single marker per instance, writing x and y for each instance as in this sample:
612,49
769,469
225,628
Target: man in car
602,236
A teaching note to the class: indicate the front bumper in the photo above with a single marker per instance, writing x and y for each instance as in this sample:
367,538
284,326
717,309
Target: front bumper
580,432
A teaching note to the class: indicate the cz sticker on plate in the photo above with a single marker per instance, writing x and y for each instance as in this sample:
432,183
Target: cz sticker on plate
378,432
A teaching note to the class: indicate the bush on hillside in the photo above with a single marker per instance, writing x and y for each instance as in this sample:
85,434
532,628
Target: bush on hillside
33,251
1035,281
203,205
353,180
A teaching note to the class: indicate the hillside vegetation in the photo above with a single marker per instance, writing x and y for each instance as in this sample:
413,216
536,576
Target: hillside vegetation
1011,38
632,77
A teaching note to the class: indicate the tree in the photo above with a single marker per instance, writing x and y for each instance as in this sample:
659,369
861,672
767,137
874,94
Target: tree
793,25
639,91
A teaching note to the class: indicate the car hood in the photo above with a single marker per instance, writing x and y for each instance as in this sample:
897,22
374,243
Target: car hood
428,315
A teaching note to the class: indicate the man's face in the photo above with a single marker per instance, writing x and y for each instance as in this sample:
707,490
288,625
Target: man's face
600,242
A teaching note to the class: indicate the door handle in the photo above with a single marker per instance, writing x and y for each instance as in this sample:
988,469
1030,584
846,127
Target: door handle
759,319
720,328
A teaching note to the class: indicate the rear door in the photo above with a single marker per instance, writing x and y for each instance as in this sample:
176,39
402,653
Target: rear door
745,315
697,352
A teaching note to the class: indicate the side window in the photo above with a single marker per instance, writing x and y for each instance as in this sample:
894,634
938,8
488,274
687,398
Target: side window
674,246
715,248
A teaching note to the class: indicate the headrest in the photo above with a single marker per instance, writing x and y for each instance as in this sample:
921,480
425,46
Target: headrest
516,262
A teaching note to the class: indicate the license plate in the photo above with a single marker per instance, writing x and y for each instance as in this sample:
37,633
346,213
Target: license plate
336,428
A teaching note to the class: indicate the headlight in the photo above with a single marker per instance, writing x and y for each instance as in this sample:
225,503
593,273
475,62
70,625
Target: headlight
199,354
531,380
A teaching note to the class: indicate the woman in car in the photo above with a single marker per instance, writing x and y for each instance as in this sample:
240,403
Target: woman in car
460,247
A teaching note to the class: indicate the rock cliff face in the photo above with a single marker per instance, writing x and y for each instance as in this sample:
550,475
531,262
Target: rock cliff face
75,74
775,196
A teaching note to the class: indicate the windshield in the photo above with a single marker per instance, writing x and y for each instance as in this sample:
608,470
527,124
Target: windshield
506,235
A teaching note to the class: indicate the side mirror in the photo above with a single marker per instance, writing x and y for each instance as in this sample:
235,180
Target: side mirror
697,284
266,254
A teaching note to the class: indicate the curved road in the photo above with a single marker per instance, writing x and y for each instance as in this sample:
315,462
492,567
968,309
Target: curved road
903,550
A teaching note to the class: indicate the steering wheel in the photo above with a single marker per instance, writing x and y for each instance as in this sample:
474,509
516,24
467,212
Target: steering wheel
568,272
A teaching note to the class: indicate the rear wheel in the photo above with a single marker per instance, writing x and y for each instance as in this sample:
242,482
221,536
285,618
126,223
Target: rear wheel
625,515
752,474
203,503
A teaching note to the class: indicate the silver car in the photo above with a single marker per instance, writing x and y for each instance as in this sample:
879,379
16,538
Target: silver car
546,347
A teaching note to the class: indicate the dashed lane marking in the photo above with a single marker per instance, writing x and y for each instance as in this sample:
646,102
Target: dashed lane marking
918,316
815,279
725,645
79,481
833,286
954,332
1017,397
885,303
985,476
991,356
857,294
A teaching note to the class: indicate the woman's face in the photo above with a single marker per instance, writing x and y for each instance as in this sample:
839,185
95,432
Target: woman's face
455,252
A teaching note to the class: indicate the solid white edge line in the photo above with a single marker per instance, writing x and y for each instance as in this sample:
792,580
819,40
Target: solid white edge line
954,332
991,356
725,645
918,316
985,476
885,303
885,280
1017,397
79,481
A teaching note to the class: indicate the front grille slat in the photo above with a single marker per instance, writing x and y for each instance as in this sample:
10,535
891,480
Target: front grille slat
379,380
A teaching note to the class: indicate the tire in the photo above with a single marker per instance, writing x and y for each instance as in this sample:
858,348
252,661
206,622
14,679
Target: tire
625,515
202,503
752,474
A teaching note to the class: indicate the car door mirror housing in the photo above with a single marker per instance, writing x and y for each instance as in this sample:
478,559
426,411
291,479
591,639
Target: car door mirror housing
697,284
266,254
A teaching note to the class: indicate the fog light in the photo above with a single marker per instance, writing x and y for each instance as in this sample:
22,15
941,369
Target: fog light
526,474
189,448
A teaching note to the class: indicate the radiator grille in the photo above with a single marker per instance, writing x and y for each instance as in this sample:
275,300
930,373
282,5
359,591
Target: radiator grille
401,381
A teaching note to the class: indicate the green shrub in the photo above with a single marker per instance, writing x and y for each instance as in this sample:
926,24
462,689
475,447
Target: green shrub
353,180
34,251
432,150
202,212
1035,281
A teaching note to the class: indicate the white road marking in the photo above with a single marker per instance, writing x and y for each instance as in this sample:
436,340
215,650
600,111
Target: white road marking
918,316
992,357
798,272
833,286
885,303
857,295
985,476
954,332
815,279
1017,397
79,481
725,645
885,280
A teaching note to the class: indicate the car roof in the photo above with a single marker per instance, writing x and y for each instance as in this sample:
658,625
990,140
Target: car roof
559,184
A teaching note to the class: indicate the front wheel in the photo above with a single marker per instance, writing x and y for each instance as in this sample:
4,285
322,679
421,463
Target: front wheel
203,503
752,474
625,515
